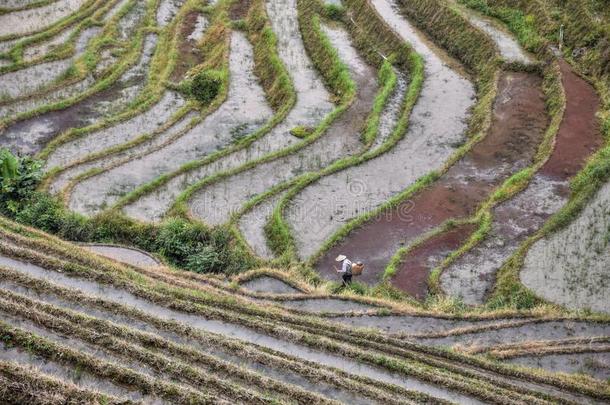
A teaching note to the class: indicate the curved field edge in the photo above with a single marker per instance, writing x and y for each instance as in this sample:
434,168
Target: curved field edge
509,291
216,45
234,310
382,48
480,56
279,91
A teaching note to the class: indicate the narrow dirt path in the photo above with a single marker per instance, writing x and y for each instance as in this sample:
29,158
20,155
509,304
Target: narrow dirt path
519,121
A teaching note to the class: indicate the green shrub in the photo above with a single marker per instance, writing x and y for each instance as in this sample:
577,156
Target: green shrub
190,246
205,86
19,177
335,12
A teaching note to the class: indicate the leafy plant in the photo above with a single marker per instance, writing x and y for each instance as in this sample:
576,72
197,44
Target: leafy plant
205,86
19,177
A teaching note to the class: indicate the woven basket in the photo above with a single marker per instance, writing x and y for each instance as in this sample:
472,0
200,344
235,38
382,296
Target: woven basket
357,269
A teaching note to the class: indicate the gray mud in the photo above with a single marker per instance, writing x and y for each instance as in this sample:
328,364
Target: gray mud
570,267
407,324
17,3
326,305
29,136
78,377
436,129
21,83
215,204
199,30
124,255
391,111
549,330
285,375
167,11
269,285
243,112
38,50
232,330
37,19
252,226
473,275
312,104
157,140
596,365
53,96
118,134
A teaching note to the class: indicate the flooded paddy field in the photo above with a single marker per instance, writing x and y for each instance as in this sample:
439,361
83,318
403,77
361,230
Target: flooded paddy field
182,183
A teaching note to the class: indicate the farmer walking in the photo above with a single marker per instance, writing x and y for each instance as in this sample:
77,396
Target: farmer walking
346,269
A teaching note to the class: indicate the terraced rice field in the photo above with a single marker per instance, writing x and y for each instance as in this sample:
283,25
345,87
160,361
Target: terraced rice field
178,177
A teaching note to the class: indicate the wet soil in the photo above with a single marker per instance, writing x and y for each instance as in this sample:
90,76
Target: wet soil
244,111
473,275
37,19
596,365
121,254
436,128
31,135
143,124
124,297
508,46
252,226
190,55
327,305
269,285
36,78
408,324
412,277
303,379
216,203
518,124
312,104
239,9
549,330
167,11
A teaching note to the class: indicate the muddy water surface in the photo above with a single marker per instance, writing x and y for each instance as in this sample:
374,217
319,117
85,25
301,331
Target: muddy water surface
29,136
243,112
473,275
216,203
507,44
157,139
121,254
596,365
519,121
37,19
35,78
312,104
269,285
303,379
231,330
436,129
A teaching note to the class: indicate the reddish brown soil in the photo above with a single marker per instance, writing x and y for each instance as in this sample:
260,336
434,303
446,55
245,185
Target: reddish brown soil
578,137
412,276
239,9
519,121
579,134
187,49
